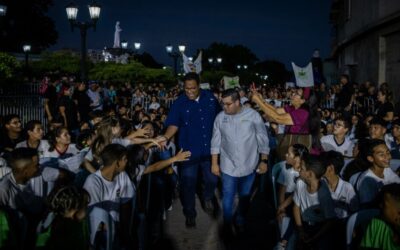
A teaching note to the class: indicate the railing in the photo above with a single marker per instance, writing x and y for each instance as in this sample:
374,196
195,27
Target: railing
27,107
145,102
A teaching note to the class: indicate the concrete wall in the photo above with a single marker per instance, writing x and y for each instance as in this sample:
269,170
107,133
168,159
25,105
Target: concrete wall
368,38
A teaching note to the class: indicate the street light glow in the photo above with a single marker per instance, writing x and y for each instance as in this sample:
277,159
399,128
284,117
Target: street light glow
94,11
169,48
137,45
219,60
182,48
3,10
26,48
124,44
72,11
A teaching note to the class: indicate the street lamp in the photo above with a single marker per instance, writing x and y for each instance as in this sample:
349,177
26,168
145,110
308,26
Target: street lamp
3,10
124,44
26,48
72,13
175,55
137,46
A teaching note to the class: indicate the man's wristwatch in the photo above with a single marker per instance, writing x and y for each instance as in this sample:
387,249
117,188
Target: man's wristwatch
264,161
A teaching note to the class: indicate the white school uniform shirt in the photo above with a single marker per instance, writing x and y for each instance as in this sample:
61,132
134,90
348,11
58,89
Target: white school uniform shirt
29,197
328,143
315,207
154,105
345,199
109,195
369,184
389,176
72,149
43,147
287,178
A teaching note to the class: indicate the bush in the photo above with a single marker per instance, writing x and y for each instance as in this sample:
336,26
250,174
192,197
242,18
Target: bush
8,66
132,71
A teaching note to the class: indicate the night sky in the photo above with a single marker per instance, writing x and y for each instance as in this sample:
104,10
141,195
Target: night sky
286,30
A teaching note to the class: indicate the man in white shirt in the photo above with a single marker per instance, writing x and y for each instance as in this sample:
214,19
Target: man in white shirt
111,189
339,141
239,139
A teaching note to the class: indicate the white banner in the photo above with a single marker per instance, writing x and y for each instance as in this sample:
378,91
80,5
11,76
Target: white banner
231,82
205,85
304,76
189,66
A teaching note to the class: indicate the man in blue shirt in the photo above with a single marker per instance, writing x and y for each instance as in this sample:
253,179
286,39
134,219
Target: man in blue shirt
192,117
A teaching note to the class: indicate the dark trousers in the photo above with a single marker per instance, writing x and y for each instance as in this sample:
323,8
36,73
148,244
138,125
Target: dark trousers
188,185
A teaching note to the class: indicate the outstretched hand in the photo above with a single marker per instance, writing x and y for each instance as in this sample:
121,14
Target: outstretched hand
182,155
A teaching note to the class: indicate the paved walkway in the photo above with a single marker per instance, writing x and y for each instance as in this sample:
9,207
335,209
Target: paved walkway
259,233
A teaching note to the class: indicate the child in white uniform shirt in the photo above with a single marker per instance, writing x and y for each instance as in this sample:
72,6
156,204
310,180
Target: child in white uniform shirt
287,180
111,189
378,174
313,207
342,192
339,141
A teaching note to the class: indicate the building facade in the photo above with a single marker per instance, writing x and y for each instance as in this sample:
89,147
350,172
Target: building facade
366,41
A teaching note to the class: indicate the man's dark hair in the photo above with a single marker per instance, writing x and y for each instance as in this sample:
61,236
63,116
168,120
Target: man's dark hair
392,189
234,94
373,143
7,119
345,76
314,164
346,122
111,153
378,121
192,76
20,157
96,113
333,158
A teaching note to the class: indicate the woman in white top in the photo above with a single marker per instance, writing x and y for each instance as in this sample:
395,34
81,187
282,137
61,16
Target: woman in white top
34,135
60,144
154,105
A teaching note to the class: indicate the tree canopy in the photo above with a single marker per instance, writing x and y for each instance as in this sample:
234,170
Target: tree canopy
26,22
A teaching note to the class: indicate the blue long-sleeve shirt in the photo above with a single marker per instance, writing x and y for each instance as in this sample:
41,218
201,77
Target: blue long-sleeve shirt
194,120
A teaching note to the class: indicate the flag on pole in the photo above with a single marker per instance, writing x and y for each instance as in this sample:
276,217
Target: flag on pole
205,85
231,82
189,66
304,76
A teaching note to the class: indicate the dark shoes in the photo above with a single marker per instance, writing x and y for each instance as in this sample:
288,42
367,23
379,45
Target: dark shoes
211,207
190,222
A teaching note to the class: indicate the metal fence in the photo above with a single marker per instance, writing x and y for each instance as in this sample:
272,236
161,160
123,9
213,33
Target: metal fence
28,107
145,102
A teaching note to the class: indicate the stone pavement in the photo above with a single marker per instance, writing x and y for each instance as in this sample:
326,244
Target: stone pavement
260,233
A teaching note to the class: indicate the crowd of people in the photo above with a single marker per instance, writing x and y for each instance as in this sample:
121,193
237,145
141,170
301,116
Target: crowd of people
107,167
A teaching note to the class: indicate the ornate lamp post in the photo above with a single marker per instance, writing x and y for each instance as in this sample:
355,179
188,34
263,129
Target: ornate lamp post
26,48
72,13
175,55
3,10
